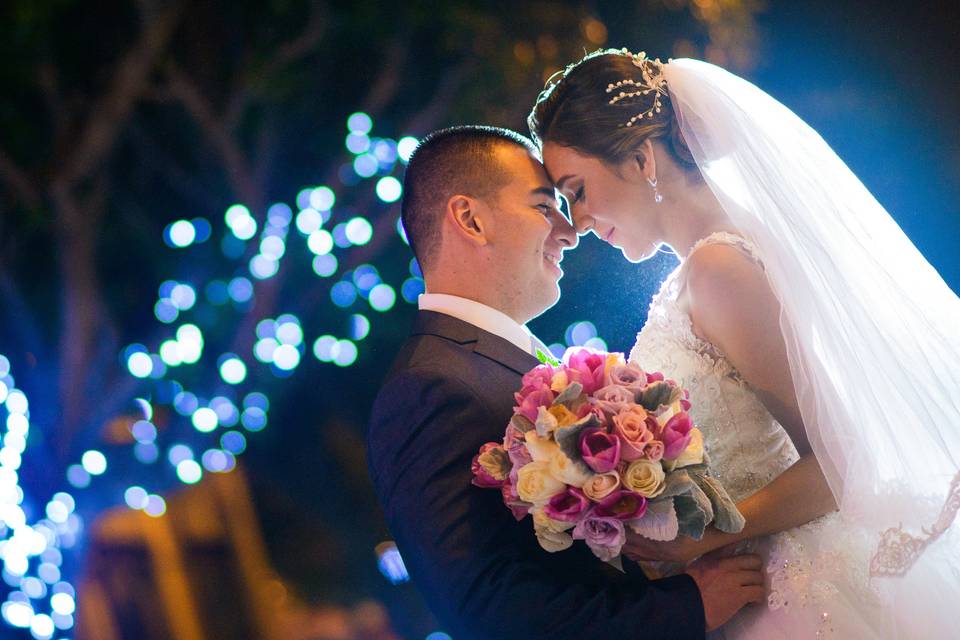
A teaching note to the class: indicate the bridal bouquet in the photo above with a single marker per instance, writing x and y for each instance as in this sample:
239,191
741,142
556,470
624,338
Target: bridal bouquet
596,445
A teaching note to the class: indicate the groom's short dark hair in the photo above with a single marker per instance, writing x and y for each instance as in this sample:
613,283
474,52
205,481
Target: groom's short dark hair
447,162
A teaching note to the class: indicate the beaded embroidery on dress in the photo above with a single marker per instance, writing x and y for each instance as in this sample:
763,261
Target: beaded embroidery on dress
818,583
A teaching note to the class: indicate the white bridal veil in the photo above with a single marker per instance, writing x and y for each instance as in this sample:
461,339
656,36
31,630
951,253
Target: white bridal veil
872,333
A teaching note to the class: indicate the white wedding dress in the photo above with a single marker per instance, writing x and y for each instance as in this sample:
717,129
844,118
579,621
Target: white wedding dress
817,578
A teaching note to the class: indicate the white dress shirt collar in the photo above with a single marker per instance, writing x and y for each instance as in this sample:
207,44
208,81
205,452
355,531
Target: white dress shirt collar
483,317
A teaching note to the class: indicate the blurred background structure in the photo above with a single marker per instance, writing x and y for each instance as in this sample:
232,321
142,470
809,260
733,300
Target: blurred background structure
203,279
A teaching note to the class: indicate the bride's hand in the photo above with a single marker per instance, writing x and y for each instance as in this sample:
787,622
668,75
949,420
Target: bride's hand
682,550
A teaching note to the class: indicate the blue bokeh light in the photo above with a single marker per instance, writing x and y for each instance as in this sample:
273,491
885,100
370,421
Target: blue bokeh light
359,326
309,220
182,234
411,289
366,165
279,214
320,242
322,198
240,289
359,122
343,294
359,231
232,369
389,189
382,297
340,236
357,143
253,418
325,265
346,353
216,292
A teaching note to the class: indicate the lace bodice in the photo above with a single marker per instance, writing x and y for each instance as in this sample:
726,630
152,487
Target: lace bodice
747,447
814,572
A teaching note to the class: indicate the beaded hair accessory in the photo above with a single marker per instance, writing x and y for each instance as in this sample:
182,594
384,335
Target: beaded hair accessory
653,82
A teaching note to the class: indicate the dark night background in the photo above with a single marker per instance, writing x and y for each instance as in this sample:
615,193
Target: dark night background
118,118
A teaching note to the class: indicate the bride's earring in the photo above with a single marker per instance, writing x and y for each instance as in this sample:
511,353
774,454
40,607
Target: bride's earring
656,192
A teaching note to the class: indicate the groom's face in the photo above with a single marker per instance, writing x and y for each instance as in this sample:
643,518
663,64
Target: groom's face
529,236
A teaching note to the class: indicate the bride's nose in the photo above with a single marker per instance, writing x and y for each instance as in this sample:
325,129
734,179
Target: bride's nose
583,224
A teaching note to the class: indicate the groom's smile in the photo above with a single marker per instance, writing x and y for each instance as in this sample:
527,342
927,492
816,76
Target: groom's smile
530,234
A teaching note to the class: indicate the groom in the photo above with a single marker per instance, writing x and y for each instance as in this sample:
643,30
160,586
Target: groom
483,222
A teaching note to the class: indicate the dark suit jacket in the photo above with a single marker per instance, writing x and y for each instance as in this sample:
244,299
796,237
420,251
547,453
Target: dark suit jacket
483,573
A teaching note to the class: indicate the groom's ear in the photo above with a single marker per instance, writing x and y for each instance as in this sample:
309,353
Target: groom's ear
463,213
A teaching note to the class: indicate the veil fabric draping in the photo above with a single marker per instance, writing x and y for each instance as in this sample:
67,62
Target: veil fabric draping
872,333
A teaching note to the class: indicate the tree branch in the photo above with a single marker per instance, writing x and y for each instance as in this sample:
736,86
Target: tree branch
218,136
250,87
19,182
110,112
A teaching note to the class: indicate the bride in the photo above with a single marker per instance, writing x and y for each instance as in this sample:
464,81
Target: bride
820,349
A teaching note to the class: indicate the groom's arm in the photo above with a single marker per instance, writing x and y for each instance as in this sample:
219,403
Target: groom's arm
481,575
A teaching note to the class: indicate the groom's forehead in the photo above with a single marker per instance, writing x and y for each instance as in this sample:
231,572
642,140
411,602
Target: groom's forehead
523,166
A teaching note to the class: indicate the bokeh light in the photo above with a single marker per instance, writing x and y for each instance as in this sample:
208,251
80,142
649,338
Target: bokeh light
366,165
359,231
94,462
359,326
389,189
232,369
359,122
182,234
382,297
405,147
325,265
322,198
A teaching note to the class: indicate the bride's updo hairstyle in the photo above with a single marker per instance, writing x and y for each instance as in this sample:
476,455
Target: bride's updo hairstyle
576,111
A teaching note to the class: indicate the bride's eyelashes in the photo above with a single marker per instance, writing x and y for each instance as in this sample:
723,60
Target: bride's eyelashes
577,196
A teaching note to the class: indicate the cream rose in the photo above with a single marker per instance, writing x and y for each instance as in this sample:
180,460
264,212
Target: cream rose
559,381
600,485
553,541
542,521
535,483
566,470
541,449
646,477
693,454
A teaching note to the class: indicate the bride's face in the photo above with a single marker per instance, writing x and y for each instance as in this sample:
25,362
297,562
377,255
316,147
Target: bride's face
615,203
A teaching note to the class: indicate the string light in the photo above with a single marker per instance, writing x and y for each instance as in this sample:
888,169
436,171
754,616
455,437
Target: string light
217,426
31,551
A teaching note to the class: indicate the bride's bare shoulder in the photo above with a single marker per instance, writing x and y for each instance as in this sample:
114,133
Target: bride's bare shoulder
727,293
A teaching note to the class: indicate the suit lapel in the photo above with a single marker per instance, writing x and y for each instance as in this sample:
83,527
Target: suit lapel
484,343
504,352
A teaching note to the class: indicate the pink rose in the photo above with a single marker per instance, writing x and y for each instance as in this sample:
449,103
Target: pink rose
654,450
631,427
622,504
586,409
654,377
604,535
532,398
676,435
587,368
613,399
628,375
601,450
567,506
539,377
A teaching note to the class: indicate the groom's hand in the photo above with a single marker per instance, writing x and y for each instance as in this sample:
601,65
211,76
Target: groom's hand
726,585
